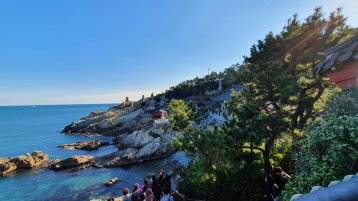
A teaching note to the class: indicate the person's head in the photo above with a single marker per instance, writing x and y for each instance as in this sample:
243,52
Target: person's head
166,191
136,187
154,177
110,199
161,173
125,191
146,181
148,192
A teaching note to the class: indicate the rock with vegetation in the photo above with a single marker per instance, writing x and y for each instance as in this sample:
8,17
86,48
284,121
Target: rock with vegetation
90,145
72,162
134,134
28,161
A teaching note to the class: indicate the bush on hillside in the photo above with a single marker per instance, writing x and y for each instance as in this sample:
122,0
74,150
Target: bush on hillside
329,150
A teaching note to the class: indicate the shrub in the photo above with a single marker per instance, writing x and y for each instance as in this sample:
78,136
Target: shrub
329,150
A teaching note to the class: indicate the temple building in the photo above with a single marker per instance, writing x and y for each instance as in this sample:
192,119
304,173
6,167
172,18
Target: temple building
341,63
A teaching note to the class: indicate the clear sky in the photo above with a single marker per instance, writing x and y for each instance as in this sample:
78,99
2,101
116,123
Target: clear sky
85,51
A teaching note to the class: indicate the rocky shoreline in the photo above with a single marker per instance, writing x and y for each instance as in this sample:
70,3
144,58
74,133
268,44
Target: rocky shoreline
130,124
27,161
90,145
134,131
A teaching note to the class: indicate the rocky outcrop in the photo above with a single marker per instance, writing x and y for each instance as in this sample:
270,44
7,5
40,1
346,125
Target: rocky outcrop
90,145
134,134
72,162
111,181
172,167
138,147
117,120
28,161
3,160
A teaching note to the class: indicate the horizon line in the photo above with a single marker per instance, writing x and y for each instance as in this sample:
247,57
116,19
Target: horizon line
30,105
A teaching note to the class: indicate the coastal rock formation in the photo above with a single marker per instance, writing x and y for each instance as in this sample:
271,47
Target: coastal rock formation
28,161
4,160
72,162
138,147
117,120
111,181
90,145
132,127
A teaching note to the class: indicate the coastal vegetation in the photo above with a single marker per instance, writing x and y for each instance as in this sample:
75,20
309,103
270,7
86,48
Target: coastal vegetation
274,120
198,86
329,149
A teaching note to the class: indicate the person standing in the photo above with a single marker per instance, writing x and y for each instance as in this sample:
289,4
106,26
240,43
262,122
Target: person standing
149,196
164,181
147,184
127,195
166,195
268,188
157,191
137,192
280,178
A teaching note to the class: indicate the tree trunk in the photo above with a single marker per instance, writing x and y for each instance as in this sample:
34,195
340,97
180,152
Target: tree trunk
250,173
266,154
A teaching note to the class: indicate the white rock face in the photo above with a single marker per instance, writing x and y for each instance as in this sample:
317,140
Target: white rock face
135,140
117,120
138,147
130,116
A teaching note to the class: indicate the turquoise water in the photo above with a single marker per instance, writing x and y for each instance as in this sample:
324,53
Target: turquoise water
24,129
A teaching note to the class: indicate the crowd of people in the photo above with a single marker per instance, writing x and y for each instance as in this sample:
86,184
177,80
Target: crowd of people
154,189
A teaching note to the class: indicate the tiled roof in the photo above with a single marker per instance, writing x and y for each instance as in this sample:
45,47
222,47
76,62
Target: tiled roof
340,53
226,95
345,190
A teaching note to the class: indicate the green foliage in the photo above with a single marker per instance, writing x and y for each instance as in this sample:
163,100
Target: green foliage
282,94
220,170
180,115
329,150
345,104
201,180
281,87
198,86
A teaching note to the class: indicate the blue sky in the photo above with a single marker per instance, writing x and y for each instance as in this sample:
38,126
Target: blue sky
63,52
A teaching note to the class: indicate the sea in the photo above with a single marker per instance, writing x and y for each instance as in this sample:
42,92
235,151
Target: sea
24,129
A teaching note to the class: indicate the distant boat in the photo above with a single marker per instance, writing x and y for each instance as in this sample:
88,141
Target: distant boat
34,106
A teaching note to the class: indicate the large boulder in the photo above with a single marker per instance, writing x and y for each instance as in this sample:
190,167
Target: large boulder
28,161
7,167
90,145
117,120
138,147
72,162
137,140
39,157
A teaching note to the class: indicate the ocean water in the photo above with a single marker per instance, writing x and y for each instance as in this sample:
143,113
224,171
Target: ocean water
24,129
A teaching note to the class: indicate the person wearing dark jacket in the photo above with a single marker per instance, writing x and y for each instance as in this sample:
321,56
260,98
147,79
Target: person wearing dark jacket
268,188
280,179
147,184
137,193
157,191
164,181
